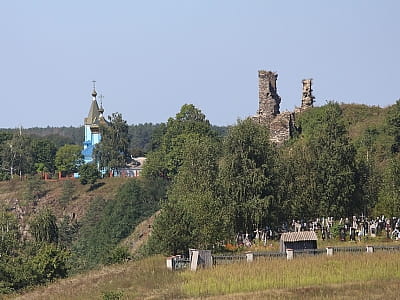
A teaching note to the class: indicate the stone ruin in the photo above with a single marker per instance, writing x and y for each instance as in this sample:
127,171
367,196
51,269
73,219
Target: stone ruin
281,125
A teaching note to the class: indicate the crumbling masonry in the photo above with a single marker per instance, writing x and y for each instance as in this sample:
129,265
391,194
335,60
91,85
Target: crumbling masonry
281,125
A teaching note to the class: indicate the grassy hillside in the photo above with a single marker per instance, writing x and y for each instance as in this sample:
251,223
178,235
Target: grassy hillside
350,276
52,195
359,117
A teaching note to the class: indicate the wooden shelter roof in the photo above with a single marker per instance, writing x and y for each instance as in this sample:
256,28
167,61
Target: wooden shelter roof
299,236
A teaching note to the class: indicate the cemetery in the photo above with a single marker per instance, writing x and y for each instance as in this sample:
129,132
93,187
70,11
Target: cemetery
362,236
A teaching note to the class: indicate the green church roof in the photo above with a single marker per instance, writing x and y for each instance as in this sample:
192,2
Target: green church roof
95,116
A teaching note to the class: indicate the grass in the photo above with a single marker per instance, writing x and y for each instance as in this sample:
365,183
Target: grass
316,271
147,278
350,276
11,195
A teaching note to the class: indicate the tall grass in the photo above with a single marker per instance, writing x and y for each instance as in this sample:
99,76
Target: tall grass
350,276
282,274
132,280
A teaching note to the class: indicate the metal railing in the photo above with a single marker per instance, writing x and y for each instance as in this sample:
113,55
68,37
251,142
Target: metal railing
224,259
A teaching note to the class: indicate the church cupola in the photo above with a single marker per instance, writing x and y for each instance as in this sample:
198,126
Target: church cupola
92,126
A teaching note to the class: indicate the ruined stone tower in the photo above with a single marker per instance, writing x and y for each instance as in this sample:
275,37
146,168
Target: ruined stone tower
281,125
268,98
307,99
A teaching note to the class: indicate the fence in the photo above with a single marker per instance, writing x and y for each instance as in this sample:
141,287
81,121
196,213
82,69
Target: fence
180,262
223,259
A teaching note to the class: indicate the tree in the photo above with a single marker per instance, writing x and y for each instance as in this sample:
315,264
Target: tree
67,192
389,194
112,151
166,159
48,263
44,228
34,188
88,173
17,155
44,153
141,137
334,165
248,176
68,158
297,188
393,126
106,223
9,234
67,232
194,215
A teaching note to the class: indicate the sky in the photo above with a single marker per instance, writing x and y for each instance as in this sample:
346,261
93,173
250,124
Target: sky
151,57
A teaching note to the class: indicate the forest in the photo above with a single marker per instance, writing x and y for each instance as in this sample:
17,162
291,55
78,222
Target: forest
208,183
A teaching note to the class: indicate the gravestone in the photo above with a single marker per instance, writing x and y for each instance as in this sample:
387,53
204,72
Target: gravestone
342,234
170,264
194,260
373,230
249,257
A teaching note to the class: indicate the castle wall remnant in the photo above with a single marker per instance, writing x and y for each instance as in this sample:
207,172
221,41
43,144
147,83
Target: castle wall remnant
307,99
269,100
281,125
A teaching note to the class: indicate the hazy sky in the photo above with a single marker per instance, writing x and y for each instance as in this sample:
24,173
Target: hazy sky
151,57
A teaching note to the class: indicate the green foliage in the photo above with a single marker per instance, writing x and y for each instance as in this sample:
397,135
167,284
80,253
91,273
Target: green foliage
118,255
166,159
141,137
44,153
88,173
248,176
17,155
67,192
67,232
194,215
34,189
389,195
68,158
9,234
297,188
335,230
26,264
112,152
333,167
48,263
112,295
44,228
60,136
393,122
108,222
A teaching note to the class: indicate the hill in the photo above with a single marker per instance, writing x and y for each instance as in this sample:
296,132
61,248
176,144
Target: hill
63,197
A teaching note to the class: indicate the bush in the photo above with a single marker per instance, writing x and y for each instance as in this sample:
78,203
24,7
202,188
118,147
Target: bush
117,255
88,173
112,295
335,230
48,264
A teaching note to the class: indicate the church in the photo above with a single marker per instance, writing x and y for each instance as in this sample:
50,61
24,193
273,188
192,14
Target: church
92,127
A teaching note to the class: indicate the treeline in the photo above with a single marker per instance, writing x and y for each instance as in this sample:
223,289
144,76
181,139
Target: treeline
219,186
25,152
